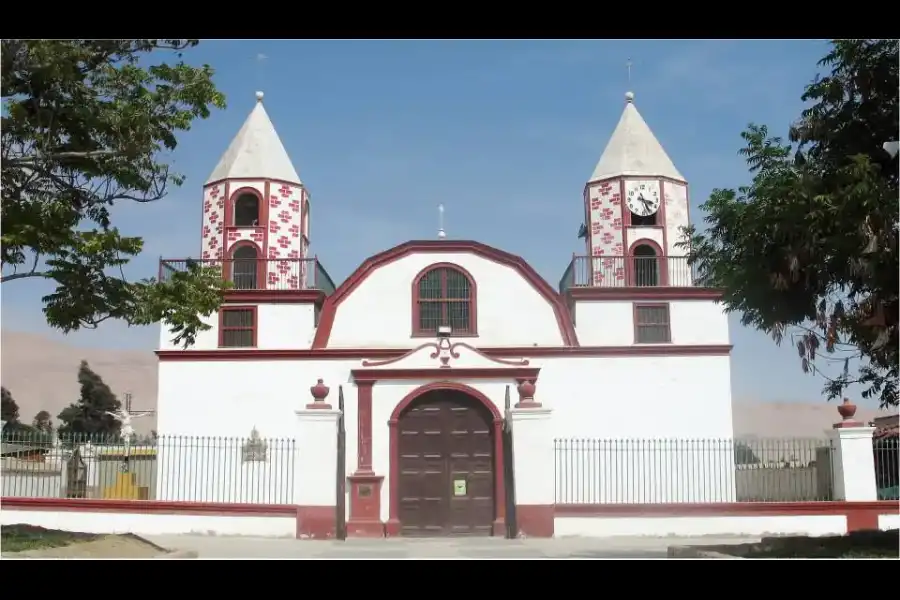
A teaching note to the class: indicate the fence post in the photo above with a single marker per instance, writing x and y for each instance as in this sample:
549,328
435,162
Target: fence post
91,460
315,493
853,464
533,469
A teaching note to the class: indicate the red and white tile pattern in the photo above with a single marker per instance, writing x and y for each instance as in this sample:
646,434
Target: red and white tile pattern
212,232
606,233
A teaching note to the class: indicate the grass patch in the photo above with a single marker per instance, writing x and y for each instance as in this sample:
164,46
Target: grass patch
18,538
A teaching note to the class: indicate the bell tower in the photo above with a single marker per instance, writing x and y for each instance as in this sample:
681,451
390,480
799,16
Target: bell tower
256,210
636,202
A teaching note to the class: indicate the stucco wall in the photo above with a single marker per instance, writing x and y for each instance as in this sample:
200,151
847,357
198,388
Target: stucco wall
619,398
511,312
611,323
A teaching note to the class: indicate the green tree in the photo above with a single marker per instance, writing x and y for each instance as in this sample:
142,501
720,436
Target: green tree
808,251
90,414
42,422
9,410
744,454
87,124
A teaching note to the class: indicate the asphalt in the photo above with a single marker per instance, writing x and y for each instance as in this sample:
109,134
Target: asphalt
444,548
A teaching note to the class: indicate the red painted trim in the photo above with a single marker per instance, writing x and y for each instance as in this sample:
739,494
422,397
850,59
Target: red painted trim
390,353
514,373
644,293
623,177
329,309
254,180
364,426
662,261
222,329
275,296
634,320
229,509
472,300
393,525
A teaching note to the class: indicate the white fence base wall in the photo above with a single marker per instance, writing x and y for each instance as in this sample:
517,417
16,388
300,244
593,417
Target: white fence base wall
152,524
700,526
886,522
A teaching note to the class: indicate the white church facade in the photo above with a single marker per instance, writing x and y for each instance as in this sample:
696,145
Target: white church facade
456,363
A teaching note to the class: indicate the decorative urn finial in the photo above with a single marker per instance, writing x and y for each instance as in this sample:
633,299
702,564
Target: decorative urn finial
847,409
319,393
526,391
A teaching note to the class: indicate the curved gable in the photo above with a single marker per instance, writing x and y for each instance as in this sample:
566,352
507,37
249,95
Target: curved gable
373,263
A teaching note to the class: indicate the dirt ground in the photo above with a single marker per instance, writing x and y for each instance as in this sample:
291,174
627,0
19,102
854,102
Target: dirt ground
111,546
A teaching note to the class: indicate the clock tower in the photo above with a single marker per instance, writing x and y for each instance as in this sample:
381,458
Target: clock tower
636,203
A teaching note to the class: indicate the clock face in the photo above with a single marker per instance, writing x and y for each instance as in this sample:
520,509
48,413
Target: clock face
642,197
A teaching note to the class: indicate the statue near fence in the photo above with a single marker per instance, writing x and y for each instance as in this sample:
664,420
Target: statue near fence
126,431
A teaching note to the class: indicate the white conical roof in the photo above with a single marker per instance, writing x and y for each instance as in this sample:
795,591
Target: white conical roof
256,151
634,150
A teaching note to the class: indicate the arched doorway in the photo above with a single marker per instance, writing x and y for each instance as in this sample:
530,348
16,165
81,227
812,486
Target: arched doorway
446,466
645,271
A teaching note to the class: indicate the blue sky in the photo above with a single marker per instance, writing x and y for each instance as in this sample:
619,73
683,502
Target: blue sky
503,133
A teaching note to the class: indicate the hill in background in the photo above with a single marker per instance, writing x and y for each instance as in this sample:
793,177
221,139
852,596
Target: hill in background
41,374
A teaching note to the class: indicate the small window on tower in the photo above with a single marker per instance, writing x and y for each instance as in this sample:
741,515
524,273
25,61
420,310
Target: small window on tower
651,324
237,327
246,211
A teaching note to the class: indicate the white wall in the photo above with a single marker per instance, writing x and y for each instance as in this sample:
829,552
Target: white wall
611,323
613,398
379,312
280,327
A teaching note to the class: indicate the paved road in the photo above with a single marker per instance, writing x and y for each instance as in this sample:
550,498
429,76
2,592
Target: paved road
471,548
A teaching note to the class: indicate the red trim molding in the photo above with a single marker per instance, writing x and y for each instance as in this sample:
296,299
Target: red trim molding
275,296
472,301
329,309
392,527
393,353
517,373
157,507
644,293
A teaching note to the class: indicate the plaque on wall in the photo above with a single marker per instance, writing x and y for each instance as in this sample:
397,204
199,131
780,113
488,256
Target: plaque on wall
255,449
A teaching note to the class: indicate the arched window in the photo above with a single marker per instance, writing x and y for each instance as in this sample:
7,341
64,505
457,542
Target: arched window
245,268
444,295
645,266
246,210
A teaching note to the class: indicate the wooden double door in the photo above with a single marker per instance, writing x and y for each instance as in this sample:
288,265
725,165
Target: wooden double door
447,465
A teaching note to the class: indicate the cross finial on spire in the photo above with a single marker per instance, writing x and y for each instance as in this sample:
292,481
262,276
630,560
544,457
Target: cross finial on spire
441,233
629,96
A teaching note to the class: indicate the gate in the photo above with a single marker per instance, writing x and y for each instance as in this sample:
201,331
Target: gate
340,515
509,472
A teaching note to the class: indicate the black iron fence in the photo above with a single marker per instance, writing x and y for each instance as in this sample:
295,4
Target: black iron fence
629,471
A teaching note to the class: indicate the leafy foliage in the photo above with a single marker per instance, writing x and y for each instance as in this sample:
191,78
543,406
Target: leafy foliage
90,414
9,410
86,126
809,249
42,422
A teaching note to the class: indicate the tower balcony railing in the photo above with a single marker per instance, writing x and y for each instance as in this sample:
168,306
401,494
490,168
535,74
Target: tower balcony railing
254,274
628,271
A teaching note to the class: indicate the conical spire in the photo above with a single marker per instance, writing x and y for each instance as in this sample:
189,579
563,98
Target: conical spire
256,151
634,150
